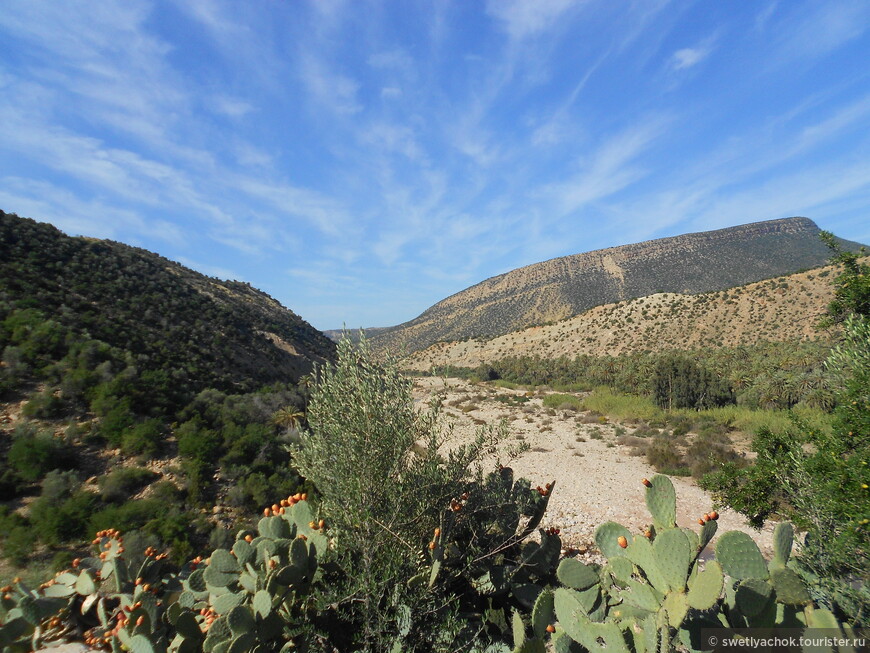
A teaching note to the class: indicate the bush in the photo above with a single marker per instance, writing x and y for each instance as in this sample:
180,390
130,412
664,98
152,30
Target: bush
374,460
18,545
563,402
121,483
44,405
55,522
663,454
32,455
143,438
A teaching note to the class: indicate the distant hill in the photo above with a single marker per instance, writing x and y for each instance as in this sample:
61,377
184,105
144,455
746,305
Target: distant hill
208,332
563,287
353,334
781,309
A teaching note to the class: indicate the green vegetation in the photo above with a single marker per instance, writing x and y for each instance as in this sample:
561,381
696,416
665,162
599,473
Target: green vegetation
773,375
820,479
122,358
563,402
423,552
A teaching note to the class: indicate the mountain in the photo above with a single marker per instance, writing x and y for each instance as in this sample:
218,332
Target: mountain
209,333
781,309
563,287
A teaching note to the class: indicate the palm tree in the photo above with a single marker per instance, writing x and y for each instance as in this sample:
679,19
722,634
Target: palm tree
288,417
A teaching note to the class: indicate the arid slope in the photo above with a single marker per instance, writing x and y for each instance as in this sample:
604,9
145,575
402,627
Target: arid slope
781,309
567,286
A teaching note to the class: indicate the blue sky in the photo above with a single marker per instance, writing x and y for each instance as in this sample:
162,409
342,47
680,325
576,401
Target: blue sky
360,161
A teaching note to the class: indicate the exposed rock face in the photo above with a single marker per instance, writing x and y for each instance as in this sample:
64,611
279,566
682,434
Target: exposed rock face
566,286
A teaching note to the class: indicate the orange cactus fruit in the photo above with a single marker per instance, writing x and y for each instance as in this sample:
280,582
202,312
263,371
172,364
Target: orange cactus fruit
551,628
702,521
284,503
140,620
138,582
303,496
647,534
714,515
312,525
622,541
301,536
249,538
432,546
267,512
647,482
281,511
437,531
321,524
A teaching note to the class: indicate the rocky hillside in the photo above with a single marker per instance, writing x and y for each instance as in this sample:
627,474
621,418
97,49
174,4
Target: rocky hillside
567,286
211,333
782,309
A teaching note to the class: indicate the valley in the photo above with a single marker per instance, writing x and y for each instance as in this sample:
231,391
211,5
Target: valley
596,462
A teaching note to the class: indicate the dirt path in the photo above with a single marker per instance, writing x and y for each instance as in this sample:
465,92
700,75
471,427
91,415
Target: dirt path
596,479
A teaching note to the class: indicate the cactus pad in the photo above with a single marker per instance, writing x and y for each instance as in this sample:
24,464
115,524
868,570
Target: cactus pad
676,605
753,595
708,530
262,603
606,537
706,586
573,573
542,613
674,554
621,569
225,603
661,499
642,596
789,587
740,557
519,629
783,538
821,618
641,553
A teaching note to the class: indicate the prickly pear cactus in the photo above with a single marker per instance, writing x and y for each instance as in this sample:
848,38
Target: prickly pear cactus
657,591
256,595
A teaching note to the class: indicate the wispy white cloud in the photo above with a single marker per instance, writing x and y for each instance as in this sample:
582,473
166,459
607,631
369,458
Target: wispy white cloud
76,216
609,169
328,89
688,57
526,18
232,107
812,30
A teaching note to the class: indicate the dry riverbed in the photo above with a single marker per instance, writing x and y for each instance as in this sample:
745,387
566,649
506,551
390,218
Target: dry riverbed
597,480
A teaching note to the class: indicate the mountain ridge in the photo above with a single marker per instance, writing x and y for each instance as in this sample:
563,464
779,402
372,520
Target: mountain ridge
561,287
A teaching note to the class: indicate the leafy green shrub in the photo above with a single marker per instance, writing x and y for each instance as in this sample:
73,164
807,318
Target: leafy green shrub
563,402
144,438
663,454
375,463
44,405
56,521
31,455
121,483
18,545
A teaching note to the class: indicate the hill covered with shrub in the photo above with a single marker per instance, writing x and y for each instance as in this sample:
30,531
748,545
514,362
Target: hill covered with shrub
134,392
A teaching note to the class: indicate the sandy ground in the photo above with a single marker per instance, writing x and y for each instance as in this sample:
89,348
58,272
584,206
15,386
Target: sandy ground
596,479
